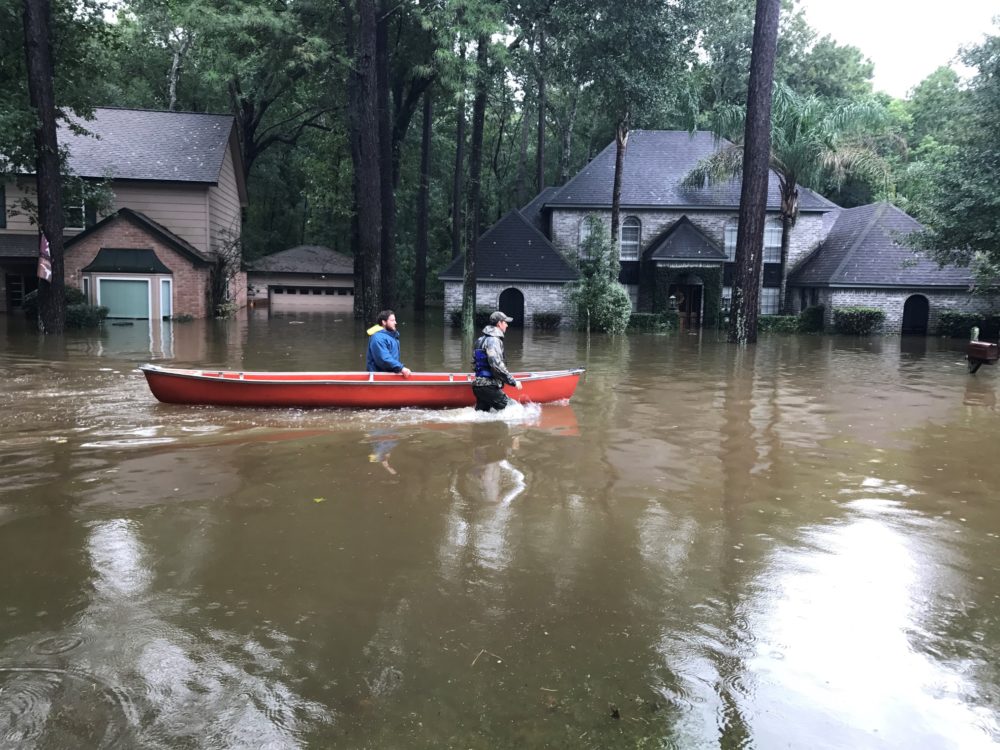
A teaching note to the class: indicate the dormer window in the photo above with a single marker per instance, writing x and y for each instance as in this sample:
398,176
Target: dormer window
630,238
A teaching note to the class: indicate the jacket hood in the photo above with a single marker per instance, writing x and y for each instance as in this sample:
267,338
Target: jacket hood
493,331
374,329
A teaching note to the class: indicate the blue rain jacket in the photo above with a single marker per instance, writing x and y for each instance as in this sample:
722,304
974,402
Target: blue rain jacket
383,351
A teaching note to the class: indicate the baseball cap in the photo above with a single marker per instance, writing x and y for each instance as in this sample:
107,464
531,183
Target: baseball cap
499,316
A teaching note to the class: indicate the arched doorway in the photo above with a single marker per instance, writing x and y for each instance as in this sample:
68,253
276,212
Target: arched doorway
512,303
687,294
916,312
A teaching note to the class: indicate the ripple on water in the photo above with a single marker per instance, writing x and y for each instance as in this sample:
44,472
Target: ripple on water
58,644
60,708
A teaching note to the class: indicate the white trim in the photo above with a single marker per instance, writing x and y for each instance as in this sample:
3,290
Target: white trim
149,289
169,297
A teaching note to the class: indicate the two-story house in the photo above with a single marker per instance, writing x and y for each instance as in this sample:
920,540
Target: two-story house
679,242
172,231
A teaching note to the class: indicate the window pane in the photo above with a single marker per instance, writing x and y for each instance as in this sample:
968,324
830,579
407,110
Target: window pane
727,298
772,241
730,239
584,236
630,235
769,301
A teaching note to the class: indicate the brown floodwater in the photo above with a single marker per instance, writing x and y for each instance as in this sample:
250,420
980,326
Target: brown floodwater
795,545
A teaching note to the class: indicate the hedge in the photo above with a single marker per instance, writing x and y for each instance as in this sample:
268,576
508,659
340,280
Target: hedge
546,321
79,314
653,321
811,319
778,323
958,324
858,321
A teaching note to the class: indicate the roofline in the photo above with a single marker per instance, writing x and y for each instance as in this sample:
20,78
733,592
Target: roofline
251,269
829,285
510,279
181,245
165,111
679,206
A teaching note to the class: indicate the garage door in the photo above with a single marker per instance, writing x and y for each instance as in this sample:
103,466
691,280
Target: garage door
124,298
315,298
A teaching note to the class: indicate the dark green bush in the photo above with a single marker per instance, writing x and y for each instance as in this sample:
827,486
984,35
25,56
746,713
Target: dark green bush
546,321
78,313
811,319
778,323
858,321
652,321
958,324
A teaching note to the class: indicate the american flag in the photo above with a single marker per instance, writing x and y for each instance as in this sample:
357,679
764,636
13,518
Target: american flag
44,258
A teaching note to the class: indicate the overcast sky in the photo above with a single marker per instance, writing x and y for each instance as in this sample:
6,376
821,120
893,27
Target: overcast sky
906,39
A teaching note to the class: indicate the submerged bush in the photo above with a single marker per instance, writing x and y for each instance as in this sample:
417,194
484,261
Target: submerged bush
79,314
858,321
480,320
958,324
778,323
546,321
653,321
602,303
811,319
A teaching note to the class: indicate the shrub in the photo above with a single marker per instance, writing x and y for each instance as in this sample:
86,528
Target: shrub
546,321
811,319
778,323
958,324
78,313
602,303
182,318
857,321
652,321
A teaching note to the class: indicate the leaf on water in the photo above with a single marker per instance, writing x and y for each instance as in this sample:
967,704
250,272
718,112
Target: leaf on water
319,499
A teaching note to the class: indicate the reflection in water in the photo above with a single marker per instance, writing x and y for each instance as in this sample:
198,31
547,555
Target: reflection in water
792,545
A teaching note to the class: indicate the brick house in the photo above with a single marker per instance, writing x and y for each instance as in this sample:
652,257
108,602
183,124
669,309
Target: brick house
172,231
680,242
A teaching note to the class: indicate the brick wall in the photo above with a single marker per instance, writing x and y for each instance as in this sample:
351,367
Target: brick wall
538,298
190,283
891,301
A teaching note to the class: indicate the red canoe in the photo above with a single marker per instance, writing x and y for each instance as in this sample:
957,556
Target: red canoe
378,390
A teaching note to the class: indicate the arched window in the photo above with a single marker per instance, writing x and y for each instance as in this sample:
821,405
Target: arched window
584,236
630,237
772,241
729,238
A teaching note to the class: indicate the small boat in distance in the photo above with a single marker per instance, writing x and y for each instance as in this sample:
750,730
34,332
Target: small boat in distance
367,390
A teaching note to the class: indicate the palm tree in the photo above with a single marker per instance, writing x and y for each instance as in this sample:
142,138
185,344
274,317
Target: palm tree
811,139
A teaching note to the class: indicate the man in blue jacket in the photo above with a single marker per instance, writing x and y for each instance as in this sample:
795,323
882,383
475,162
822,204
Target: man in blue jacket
383,346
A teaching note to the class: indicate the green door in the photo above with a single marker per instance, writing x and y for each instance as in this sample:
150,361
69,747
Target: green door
124,298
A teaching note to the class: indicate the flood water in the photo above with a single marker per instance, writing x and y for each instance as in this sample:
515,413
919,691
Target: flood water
794,545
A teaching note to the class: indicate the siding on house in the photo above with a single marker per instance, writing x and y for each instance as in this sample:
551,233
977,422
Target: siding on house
224,206
181,208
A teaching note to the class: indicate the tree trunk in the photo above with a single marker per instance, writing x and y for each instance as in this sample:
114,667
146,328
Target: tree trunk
388,244
621,143
789,212
567,139
423,206
368,166
756,163
179,50
475,188
38,54
540,148
521,189
457,224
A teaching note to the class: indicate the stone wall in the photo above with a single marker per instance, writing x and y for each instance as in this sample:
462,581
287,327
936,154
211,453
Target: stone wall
807,233
538,298
891,301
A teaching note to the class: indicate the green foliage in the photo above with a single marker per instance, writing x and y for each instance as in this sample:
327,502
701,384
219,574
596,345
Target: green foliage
79,314
858,321
182,318
778,323
961,210
480,320
546,321
958,324
811,319
711,289
602,303
652,322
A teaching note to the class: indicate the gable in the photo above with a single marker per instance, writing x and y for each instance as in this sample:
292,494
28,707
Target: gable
514,250
684,241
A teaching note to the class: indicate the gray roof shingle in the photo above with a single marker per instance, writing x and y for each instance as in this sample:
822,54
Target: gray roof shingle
866,248
684,241
140,144
305,259
533,210
514,250
656,161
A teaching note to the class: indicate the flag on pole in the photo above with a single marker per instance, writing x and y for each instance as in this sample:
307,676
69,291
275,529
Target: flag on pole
44,258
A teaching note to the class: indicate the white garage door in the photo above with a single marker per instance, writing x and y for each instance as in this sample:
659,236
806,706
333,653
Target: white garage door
317,298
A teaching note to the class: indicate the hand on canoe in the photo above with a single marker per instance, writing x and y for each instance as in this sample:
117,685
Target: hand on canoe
405,372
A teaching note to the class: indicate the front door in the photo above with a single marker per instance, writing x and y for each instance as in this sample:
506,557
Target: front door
688,300
916,311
